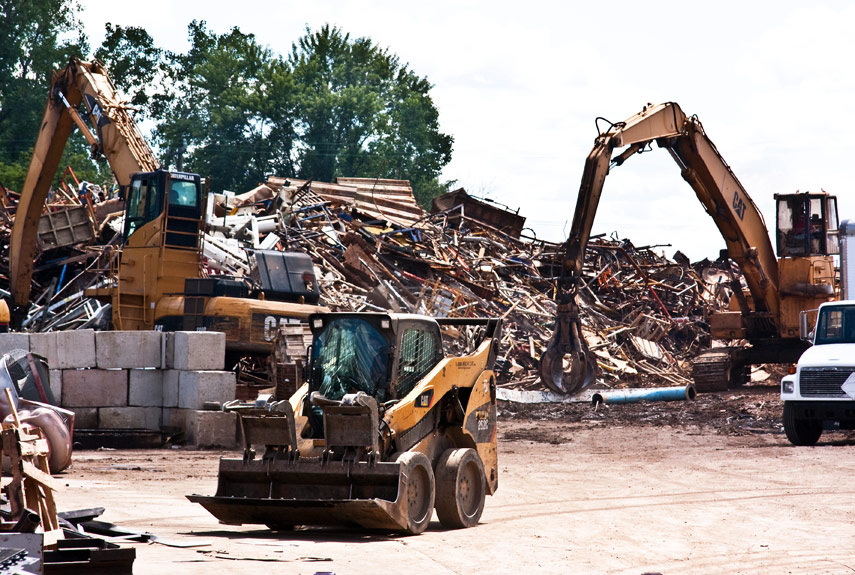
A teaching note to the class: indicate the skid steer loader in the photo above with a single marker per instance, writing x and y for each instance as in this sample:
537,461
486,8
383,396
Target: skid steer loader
386,429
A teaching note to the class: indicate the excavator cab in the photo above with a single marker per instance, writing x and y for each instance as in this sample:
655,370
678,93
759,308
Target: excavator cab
806,225
178,195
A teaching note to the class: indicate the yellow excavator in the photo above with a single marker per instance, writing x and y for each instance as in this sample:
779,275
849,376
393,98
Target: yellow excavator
158,277
387,429
767,315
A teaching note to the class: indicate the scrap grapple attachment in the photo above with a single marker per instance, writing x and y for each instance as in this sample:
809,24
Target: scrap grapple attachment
567,366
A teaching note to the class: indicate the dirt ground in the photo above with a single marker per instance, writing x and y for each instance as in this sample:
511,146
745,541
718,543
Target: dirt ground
709,486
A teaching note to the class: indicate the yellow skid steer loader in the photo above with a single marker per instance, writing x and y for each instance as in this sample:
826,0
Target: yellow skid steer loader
386,429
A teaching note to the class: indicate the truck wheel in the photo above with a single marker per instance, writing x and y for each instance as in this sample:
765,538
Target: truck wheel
420,490
800,431
460,488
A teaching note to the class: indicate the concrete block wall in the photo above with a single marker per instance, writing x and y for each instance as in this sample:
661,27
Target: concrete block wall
139,379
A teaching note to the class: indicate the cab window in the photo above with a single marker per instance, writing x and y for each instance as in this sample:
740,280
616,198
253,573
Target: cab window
142,204
420,352
183,193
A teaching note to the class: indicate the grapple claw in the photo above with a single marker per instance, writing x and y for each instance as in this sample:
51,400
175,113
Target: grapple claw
567,341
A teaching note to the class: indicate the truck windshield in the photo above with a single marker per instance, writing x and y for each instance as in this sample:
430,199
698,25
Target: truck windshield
836,324
350,355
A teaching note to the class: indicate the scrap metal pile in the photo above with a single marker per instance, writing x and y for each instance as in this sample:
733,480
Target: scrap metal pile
375,249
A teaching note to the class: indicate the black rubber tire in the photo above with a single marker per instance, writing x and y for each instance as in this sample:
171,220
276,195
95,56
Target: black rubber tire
800,431
461,488
420,493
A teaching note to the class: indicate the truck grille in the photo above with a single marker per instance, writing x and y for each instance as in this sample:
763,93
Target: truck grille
823,382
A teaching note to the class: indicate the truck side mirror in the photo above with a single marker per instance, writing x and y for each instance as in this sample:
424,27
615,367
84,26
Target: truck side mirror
804,328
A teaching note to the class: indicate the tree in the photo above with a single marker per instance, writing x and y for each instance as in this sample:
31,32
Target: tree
233,110
229,104
362,113
36,37
133,61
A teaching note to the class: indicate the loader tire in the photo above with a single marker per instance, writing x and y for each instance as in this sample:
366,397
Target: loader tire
420,490
800,431
461,488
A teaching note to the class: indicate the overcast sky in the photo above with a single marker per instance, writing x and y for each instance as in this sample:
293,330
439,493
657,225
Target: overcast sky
519,84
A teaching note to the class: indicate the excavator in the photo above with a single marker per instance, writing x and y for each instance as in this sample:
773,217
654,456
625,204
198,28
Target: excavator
387,428
766,316
158,278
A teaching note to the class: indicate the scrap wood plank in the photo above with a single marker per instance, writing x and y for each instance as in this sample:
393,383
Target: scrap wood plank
31,486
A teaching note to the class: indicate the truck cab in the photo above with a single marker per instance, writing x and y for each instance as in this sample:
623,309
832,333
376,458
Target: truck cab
821,392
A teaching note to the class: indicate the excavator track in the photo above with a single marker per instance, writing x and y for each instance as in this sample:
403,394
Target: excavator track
711,371
718,370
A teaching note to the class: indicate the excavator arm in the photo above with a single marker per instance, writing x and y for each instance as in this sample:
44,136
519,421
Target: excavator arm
725,200
117,138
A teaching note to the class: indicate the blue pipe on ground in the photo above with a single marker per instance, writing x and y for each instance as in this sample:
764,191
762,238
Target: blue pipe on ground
644,394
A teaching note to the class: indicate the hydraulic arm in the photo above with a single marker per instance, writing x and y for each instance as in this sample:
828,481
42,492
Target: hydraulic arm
723,197
117,138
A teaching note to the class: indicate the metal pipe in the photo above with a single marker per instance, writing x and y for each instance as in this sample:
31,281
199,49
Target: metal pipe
644,394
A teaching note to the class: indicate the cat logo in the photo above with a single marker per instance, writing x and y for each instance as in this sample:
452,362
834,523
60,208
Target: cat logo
424,400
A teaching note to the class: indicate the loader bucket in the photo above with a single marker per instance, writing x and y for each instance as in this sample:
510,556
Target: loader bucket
281,494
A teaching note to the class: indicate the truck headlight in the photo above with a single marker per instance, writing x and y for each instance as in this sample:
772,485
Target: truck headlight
788,386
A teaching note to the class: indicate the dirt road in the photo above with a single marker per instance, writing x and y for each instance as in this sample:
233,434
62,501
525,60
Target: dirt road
607,494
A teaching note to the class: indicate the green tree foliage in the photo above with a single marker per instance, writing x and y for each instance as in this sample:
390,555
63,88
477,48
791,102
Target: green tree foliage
133,61
363,113
335,107
228,108
36,37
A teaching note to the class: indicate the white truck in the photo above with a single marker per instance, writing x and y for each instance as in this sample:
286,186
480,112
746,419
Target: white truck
822,390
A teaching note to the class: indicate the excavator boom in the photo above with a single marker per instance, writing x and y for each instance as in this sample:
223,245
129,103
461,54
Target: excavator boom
117,138
724,198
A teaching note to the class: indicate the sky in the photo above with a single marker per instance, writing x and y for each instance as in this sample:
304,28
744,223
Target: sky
519,85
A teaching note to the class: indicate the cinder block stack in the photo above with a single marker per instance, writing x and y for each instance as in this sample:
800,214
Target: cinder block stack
139,379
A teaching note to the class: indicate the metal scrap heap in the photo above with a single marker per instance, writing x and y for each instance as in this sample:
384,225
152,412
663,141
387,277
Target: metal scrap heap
374,248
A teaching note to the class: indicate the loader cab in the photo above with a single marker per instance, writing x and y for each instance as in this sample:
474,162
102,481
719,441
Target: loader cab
383,355
176,195
806,224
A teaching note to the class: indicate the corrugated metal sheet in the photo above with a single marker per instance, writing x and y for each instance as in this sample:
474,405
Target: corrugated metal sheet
390,200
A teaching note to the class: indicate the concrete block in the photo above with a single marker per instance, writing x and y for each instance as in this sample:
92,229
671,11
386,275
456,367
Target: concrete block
74,349
44,344
145,387
170,387
196,350
85,417
128,349
211,428
169,350
197,387
56,384
10,341
129,417
174,417
94,388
